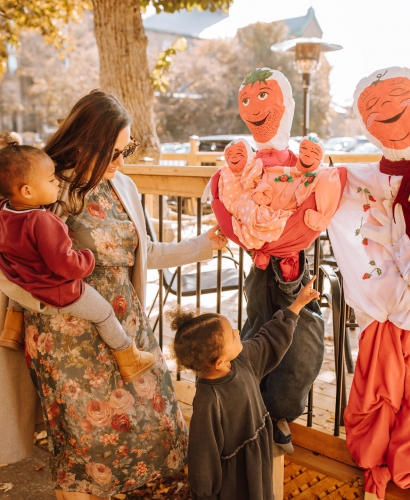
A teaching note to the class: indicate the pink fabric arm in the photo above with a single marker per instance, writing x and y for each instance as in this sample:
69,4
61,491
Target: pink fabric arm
263,193
327,193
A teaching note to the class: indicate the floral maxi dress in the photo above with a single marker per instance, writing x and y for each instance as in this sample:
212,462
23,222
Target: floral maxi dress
105,436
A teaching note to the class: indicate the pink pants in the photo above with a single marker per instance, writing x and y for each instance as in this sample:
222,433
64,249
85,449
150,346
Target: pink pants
377,416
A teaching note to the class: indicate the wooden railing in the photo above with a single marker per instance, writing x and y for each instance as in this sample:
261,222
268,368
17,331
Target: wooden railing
190,180
196,157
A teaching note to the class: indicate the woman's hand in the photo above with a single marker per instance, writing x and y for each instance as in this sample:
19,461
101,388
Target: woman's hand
306,294
218,239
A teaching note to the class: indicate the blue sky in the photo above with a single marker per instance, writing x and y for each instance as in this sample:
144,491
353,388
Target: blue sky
374,33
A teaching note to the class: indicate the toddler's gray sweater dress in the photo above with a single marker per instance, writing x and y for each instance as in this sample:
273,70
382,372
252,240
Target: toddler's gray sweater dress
230,447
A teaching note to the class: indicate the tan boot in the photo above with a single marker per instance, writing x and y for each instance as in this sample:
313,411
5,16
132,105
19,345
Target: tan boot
12,337
132,363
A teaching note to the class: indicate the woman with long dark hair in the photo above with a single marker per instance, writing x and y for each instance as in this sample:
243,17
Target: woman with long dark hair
105,436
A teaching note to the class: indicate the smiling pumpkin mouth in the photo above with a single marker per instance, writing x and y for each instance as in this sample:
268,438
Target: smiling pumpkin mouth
393,118
234,162
260,122
305,165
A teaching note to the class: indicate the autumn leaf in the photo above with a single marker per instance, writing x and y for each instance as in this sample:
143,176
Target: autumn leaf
6,486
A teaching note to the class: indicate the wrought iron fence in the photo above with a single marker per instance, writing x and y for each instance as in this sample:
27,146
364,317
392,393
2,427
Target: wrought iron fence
189,182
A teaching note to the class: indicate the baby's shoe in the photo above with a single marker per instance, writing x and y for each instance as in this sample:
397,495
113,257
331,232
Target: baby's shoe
132,363
282,437
12,337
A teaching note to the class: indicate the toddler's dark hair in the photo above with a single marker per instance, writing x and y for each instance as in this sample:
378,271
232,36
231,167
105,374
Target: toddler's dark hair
198,340
15,166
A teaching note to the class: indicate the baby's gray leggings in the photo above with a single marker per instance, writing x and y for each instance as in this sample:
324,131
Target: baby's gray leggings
93,307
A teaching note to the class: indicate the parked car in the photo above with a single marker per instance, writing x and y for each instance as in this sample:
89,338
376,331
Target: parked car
170,147
366,148
183,148
342,144
216,143
360,139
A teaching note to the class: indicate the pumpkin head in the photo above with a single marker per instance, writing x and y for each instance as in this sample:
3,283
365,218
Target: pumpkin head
236,155
382,102
266,106
311,154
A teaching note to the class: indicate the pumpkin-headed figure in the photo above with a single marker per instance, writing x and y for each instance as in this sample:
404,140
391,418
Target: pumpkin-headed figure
382,103
311,154
266,106
237,155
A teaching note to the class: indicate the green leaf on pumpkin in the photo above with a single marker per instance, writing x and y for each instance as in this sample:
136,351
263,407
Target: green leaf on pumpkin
257,75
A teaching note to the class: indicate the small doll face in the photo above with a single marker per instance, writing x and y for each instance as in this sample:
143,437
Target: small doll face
310,156
383,107
261,107
236,157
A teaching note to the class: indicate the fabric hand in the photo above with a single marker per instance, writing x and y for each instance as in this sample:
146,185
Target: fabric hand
263,194
380,234
217,238
400,243
391,235
315,220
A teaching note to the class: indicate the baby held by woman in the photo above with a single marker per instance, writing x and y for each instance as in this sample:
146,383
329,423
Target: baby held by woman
262,200
36,253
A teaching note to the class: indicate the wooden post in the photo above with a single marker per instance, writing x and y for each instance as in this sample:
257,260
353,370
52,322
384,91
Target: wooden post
149,203
192,160
278,475
370,496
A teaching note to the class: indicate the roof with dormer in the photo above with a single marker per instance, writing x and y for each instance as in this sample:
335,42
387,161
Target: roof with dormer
304,26
184,23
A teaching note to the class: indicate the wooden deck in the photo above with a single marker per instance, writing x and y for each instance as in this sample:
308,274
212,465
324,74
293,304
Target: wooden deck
312,472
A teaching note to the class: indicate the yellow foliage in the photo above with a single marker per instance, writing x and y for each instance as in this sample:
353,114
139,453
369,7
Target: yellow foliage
50,17
159,80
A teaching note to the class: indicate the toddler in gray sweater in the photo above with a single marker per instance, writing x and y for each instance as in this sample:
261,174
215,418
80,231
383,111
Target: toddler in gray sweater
230,449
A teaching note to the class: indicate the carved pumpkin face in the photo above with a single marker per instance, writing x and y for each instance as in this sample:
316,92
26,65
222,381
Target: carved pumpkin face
310,156
385,109
236,157
261,107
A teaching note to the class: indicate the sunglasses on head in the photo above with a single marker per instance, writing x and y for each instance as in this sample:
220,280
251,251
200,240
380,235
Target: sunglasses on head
127,151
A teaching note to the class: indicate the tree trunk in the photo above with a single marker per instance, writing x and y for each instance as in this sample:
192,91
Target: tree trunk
124,71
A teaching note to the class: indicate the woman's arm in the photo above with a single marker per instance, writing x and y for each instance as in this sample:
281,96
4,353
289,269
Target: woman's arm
163,255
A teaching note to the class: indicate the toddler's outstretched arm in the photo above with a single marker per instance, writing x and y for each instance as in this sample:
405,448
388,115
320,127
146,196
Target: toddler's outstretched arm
267,348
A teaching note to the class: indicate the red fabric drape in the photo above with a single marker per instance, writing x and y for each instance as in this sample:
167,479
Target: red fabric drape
400,168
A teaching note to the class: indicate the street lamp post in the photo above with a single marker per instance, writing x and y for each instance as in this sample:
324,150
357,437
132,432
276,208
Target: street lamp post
307,61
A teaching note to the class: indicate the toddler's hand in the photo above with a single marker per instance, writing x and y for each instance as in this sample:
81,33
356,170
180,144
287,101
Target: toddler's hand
305,295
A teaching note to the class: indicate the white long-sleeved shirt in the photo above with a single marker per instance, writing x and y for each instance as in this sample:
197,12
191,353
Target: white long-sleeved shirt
385,295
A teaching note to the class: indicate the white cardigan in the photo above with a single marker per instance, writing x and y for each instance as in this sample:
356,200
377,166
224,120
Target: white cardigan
19,409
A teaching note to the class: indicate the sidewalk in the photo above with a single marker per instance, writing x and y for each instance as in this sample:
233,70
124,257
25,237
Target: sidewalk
30,478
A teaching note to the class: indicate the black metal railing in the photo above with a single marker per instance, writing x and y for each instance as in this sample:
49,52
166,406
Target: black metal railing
323,267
